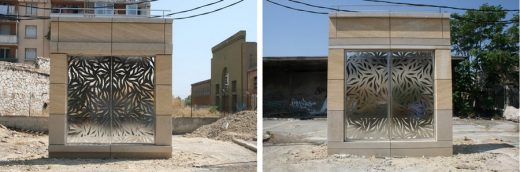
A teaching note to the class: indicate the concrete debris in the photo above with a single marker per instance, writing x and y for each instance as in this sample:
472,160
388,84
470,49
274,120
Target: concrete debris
267,135
512,114
241,125
245,144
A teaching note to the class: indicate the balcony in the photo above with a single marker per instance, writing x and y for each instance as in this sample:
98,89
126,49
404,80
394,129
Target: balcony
8,40
9,59
108,13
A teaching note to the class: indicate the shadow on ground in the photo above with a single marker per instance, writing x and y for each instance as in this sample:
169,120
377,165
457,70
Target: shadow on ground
478,148
66,161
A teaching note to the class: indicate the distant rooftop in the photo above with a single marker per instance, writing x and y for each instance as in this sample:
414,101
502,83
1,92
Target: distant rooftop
294,58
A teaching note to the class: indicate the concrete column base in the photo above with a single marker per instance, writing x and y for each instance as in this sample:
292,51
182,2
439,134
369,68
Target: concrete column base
110,151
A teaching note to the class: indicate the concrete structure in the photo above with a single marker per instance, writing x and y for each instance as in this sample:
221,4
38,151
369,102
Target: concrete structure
232,59
200,93
295,86
183,125
24,40
110,84
24,88
365,116
251,89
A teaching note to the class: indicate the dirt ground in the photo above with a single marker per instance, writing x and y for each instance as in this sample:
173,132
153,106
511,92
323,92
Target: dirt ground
241,125
22,151
479,145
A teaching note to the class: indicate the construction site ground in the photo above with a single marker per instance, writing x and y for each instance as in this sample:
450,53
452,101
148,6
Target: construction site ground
478,145
27,151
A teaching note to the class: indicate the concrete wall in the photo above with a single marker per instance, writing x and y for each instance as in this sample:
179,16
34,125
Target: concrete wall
32,123
390,31
185,125
234,54
24,88
251,89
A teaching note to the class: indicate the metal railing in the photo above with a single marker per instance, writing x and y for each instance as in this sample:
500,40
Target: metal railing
104,12
9,59
8,39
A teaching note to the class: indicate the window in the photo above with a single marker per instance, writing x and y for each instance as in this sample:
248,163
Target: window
30,32
234,86
7,9
5,29
104,8
234,102
30,53
131,9
5,53
254,83
31,9
225,80
217,89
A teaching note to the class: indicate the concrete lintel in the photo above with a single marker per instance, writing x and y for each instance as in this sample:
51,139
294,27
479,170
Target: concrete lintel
108,151
109,19
392,47
386,41
389,14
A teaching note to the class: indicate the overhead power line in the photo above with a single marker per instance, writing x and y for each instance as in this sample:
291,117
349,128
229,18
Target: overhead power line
209,12
296,9
439,6
10,17
196,8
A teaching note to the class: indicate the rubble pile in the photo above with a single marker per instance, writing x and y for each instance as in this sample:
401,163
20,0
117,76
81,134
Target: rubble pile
240,125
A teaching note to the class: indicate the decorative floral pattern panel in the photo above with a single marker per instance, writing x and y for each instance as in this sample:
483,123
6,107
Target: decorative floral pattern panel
369,103
110,100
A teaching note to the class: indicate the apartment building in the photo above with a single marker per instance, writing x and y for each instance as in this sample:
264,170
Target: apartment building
25,24
23,40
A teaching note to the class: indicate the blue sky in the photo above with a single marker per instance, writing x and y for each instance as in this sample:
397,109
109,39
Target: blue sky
292,33
193,38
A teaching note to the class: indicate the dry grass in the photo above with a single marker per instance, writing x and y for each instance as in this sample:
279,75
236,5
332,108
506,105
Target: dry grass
180,109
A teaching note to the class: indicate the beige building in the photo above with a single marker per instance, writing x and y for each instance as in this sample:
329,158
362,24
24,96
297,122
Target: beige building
232,59
110,81
200,93
251,89
24,40
389,84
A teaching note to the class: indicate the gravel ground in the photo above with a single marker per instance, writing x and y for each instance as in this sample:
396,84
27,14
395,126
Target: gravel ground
21,151
479,145
241,125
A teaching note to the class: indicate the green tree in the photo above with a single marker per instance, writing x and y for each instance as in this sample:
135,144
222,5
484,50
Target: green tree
187,100
491,44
